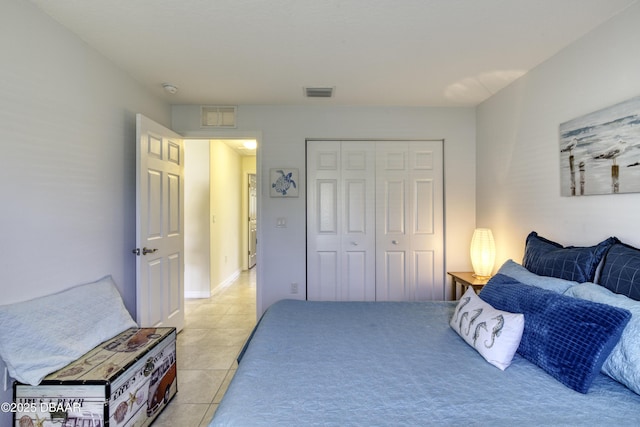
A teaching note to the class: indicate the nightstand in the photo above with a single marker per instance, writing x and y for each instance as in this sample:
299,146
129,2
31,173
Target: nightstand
465,279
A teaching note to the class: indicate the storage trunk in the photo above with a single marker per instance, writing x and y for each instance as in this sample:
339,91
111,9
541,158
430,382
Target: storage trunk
125,381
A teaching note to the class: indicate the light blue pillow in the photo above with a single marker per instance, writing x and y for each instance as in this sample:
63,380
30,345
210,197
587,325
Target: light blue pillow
623,364
516,271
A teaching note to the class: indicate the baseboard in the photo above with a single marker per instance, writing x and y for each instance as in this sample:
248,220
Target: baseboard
229,280
197,294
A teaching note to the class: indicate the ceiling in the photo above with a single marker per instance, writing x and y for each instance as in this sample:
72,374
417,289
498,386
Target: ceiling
373,52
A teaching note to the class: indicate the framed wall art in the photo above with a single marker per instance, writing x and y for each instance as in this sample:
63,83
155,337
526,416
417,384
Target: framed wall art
600,151
283,182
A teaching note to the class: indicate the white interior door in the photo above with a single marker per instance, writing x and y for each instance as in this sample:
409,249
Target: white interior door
409,218
340,221
159,225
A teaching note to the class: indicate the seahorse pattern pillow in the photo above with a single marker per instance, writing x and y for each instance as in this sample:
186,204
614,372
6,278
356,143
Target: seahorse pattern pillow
495,334
568,337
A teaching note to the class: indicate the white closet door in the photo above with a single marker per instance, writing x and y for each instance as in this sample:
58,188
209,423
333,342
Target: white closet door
409,216
375,220
340,221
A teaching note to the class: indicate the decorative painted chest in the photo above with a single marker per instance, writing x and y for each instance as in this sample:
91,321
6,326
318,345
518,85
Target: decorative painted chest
125,381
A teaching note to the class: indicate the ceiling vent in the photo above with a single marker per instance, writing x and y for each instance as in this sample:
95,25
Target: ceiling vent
215,116
318,92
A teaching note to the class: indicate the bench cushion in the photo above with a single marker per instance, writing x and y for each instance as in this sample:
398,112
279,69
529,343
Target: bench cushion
42,335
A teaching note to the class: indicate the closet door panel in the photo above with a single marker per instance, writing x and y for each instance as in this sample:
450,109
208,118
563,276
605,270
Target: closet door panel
392,275
427,219
324,268
423,202
326,276
340,219
358,208
355,286
409,216
424,276
327,207
393,286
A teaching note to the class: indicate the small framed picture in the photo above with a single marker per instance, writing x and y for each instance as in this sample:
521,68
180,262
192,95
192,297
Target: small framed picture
283,182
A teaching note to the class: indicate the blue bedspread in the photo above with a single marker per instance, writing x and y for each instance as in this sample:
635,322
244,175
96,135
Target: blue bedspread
397,364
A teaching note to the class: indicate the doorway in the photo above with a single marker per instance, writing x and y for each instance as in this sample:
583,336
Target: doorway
216,209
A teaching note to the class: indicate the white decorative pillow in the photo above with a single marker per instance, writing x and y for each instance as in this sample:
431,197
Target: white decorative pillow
495,334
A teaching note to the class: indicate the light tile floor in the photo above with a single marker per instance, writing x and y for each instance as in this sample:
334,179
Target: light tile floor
214,333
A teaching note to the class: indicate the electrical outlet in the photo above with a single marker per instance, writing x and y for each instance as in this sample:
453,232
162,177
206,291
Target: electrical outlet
294,288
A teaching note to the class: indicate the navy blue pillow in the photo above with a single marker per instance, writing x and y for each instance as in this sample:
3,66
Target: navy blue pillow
621,271
546,258
569,338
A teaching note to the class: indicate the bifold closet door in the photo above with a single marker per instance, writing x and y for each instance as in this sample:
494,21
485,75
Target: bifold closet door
375,220
409,218
340,221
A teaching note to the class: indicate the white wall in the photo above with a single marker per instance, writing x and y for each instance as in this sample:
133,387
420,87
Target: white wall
226,204
518,172
283,130
197,244
67,146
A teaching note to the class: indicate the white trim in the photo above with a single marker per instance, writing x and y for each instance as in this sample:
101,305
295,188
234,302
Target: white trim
196,294
225,283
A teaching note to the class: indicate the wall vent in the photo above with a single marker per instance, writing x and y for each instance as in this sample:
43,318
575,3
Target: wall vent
318,92
216,116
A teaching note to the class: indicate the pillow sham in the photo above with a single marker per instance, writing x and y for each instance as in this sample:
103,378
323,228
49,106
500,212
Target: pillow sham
568,337
493,333
513,269
42,335
547,258
623,364
621,270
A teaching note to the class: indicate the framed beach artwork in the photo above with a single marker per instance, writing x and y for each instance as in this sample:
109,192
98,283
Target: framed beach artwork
283,182
600,151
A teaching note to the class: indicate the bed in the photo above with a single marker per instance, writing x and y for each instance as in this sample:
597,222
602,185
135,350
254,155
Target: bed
404,363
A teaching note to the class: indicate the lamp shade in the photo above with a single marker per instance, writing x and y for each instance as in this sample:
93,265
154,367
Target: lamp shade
483,252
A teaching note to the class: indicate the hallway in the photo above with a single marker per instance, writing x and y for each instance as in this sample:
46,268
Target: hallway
215,331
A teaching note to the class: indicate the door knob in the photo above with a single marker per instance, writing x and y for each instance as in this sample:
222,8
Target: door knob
395,242
354,243
145,251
